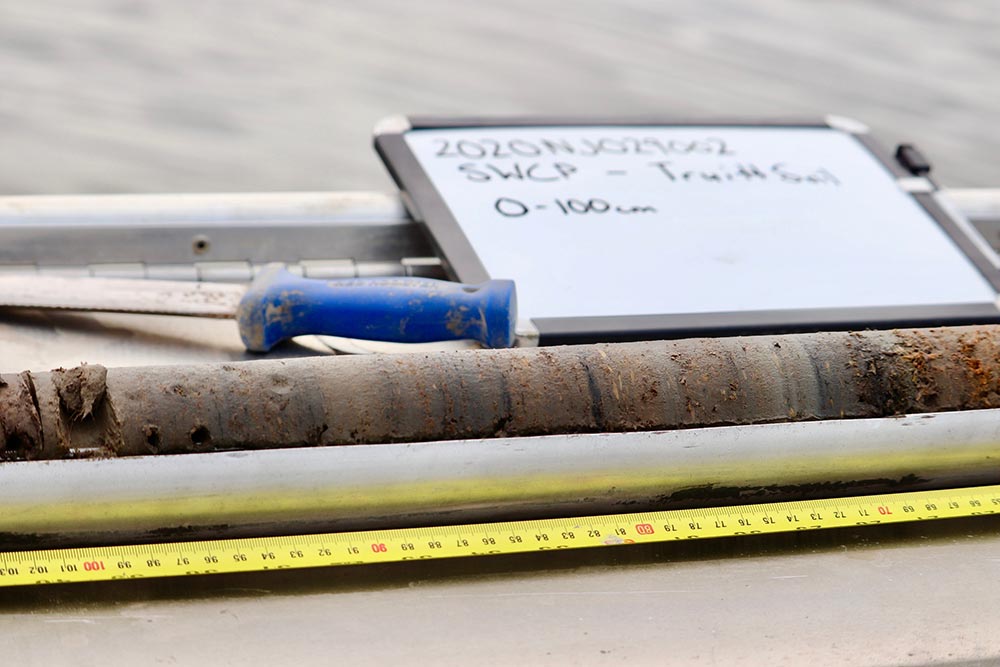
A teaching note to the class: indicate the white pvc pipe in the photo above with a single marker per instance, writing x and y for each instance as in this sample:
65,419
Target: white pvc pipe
314,489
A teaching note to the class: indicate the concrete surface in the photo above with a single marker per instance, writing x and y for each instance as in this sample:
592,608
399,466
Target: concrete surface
143,96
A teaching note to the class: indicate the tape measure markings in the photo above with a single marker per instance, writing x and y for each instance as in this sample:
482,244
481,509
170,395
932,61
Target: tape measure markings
394,545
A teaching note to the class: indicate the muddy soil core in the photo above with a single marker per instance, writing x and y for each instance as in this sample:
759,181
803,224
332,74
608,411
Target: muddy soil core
92,411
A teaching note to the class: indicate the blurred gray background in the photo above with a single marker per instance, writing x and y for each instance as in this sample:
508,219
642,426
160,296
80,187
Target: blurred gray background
103,96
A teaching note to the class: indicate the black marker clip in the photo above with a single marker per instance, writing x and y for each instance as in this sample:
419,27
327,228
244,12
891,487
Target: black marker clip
912,160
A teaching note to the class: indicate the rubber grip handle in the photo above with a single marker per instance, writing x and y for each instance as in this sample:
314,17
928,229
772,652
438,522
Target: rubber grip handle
279,305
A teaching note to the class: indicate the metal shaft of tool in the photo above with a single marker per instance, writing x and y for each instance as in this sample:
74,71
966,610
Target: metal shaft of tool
115,295
90,411
345,488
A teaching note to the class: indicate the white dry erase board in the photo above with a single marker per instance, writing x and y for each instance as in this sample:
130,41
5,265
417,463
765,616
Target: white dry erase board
625,231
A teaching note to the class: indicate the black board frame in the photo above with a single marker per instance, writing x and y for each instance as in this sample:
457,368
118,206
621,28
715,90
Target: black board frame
426,205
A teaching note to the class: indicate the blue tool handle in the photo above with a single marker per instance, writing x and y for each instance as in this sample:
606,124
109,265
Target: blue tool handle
279,305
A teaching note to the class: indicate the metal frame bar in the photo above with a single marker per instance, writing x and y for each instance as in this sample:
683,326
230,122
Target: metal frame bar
224,236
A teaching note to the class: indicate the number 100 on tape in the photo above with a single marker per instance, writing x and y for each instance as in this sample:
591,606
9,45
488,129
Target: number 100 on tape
174,559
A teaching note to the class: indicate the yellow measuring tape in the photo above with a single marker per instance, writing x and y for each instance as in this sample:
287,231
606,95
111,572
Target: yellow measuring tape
179,559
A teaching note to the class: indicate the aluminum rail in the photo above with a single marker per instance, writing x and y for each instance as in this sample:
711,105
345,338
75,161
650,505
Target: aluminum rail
976,203
343,488
251,208
179,228
263,208
120,234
